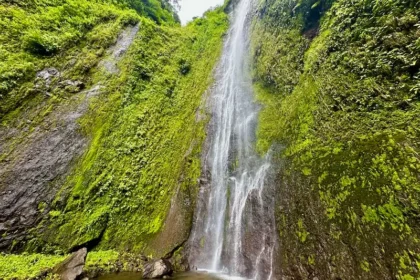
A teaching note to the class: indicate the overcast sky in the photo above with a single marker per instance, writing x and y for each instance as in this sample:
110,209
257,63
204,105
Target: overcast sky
195,8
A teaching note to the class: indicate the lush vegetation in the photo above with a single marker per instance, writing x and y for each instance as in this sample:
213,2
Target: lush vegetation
36,34
340,83
26,265
145,128
146,133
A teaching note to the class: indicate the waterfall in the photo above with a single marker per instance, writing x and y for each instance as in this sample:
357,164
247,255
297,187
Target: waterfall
234,229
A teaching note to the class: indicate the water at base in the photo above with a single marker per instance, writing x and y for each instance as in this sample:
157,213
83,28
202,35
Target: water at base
179,276
234,228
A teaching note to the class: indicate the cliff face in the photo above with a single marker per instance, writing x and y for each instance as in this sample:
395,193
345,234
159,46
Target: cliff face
102,124
101,127
340,83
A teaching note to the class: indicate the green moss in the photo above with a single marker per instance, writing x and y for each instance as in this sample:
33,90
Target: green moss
145,139
102,259
344,119
26,266
42,33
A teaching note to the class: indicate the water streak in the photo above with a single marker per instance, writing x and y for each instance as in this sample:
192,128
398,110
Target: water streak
234,228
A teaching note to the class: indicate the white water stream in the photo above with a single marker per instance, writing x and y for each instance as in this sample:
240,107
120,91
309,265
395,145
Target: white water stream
234,228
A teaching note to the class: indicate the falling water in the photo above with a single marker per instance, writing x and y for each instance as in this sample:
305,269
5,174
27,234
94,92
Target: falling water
234,227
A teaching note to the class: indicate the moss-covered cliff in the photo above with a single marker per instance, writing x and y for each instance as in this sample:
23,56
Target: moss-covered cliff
102,126
146,136
101,123
340,83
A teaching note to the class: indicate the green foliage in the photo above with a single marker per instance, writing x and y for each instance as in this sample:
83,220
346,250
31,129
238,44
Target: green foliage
146,132
36,34
345,106
26,266
300,14
102,259
159,11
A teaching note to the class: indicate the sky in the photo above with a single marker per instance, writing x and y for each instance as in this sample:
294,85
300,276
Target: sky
195,8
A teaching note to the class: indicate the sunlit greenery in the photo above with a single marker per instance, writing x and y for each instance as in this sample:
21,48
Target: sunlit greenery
26,265
146,139
38,33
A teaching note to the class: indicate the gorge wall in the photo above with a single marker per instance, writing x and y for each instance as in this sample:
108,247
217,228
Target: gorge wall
339,81
101,125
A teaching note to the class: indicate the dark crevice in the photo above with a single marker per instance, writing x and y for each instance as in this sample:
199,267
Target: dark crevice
89,245
176,248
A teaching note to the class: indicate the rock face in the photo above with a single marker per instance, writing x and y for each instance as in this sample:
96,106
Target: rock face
116,52
72,267
31,175
36,156
48,75
157,269
49,79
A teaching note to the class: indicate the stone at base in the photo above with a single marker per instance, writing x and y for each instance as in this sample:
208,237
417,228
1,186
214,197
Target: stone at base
157,269
72,267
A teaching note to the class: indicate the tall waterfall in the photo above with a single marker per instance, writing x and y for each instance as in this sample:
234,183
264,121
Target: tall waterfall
234,229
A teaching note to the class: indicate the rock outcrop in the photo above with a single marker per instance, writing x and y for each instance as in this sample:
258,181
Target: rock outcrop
72,267
157,269
31,174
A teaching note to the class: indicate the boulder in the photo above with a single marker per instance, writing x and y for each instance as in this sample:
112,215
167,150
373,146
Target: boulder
157,269
72,267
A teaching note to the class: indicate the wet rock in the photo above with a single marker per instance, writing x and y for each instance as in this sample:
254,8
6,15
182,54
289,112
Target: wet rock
116,52
34,171
46,80
95,272
48,73
46,77
157,269
72,267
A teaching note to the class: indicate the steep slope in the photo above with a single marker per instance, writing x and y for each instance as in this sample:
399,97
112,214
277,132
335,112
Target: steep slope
340,83
38,33
101,125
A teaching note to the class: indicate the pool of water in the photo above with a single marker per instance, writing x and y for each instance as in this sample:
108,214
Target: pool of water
178,276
